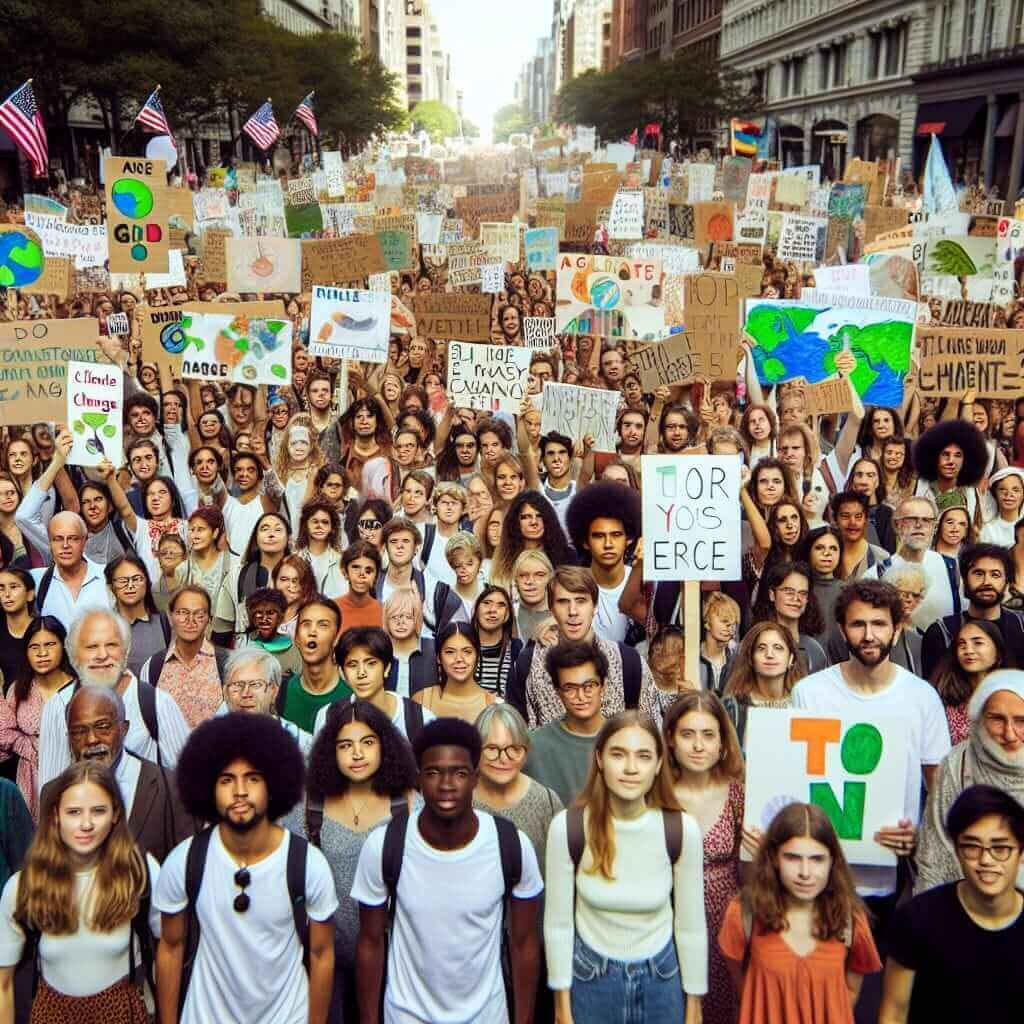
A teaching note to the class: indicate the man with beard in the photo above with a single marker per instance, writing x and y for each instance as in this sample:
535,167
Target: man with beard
986,571
632,430
98,645
868,613
251,889
992,755
96,732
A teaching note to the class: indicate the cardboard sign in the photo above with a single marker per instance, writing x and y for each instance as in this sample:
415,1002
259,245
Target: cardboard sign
664,363
627,216
580,223
34,357
735,175
802,239
712,312
952,360
609,297
349,324
539,331
691,517
712,222
180,216
491,377
137,214
853,768
86,244
397,247
215,254
95,413
500,241
541,245
471,210
335,260
455,317
464,262
880,219
27,266
828,397
700,182
264,264
576,412
236,349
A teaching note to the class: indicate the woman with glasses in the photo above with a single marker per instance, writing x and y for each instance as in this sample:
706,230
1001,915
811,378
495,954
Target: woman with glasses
365,521
786,597
721,621
133,601
329,484
47,670
457,693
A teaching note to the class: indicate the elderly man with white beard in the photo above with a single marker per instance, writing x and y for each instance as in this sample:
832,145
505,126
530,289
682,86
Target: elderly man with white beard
98,645
993,754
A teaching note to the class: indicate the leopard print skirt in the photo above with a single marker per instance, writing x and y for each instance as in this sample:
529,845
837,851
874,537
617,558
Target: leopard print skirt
121,1003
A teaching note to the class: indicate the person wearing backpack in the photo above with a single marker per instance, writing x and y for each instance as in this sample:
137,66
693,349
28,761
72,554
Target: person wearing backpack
797,940
79,912
246,902
624,913
444,875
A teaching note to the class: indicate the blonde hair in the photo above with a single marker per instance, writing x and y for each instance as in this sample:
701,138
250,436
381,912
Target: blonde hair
449,489
282,461
718,602
404,599
463,541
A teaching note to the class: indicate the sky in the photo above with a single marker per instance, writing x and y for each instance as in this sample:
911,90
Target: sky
489,43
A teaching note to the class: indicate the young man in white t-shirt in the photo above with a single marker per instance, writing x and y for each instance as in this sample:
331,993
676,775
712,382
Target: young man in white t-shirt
244,772
444,956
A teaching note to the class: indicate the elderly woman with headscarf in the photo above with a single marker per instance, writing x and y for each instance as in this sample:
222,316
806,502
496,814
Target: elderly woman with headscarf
993,754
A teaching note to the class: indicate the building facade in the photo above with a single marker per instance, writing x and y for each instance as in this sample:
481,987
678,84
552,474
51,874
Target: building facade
628,31
659,29
697,27
587,40
427,64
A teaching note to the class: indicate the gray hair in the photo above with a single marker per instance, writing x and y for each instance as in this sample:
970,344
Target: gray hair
506,715
107,693
912,574
926,498
78,623
266,662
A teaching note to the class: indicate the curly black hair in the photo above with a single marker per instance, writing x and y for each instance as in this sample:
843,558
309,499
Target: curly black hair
258,739
397,772
448,732
965,436
605,498
512,544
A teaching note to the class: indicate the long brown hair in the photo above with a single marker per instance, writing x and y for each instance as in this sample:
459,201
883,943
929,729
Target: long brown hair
46,888
595,797
731,765
834,907
742,679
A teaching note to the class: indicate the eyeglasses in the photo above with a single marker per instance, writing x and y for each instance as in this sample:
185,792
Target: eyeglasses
369,524
575,689
242,900
911,595
1000,852
247,686
791,593
130,581
185,615
513,752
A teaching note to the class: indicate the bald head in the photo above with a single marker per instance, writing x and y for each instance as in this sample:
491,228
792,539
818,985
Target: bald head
96,725
67,540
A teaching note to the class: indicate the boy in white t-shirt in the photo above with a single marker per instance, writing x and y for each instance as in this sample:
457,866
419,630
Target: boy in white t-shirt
444,960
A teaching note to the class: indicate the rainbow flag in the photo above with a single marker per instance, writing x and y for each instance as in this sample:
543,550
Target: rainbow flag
744,136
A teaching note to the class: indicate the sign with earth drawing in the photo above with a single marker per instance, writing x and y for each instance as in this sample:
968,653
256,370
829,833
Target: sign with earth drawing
137,215
95,413
242,348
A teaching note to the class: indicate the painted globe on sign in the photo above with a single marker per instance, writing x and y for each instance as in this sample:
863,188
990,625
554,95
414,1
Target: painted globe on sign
21,260
173,338
132,198
605,293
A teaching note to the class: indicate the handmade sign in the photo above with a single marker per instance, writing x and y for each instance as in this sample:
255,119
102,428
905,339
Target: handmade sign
95,408
802,239
609,297
664,363
456,317
854,767
349,324
538,331
627,215
712,222
500,241
952,360
335,260
881,219
828,397
491,377
712,312
264,264
303,219
397,247
137,214
464,262
492,278
577,412
34,357
691,517
331,162
541,245
86,244
215,255
700,182
848,278
242,349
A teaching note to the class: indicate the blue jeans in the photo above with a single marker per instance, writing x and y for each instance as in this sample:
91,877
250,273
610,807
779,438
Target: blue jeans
608,991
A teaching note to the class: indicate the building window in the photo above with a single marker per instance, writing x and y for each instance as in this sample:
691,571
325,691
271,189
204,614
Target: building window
413,32
874,55
798,76
1017,25
970,20
894,50
413,51
988,26
945,30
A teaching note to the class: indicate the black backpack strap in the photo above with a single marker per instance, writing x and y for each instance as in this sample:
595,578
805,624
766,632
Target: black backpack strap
953,572
147,708
314,821
282,693
575,835
632,676
429,533
141,934
412,712
122,534
511,853
673,822
392,855
441,594
154,668
44,588
166,627
195,863
296,873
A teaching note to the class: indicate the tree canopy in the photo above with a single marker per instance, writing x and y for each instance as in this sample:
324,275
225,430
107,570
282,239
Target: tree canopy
508,120
436,119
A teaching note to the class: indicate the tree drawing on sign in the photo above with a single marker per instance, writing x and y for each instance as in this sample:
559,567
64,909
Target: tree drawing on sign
949,257
97,422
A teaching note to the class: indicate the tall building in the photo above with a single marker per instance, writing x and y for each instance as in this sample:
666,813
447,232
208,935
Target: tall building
587,38
305,17
837,74
391,40
628,31
659,29
369,26
697,27
427,65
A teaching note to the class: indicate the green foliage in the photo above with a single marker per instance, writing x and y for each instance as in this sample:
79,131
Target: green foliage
510,119
469,129
436,119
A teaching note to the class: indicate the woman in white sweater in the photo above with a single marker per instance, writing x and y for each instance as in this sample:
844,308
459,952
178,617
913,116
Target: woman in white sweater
624,914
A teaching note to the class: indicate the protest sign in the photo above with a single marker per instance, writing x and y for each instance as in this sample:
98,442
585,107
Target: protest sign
700,182
541,245
303,219
471,210
879,220
337,260
138,282
236,349
853,766
331,162
712,222
491,377
791,190
500,241
180,216
952,360
848,279
25,264
828,397
34,357
428,227
397,247
95,407
539,331
627,215
664,363
86,244
464,262
576,412
215,255
264,264
675,259
802,239
137,214
609,296
349,324
456,317
492,278
712,313
735,175
119,325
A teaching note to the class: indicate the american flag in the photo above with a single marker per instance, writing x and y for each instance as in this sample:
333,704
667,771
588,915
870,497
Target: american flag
304,112
152,116
21,119
262,128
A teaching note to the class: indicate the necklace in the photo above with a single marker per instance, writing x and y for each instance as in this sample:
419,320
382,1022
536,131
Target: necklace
357,811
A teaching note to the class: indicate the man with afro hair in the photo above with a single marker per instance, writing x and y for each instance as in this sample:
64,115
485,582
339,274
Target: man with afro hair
604,519
951,458
241,773
449,871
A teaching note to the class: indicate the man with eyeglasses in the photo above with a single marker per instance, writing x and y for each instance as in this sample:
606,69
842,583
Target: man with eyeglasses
915,522
256,893
72,581
562,750
955,951
190,668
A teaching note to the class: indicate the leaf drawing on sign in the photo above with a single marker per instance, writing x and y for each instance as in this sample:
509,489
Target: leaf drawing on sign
345,323
949,257
97,422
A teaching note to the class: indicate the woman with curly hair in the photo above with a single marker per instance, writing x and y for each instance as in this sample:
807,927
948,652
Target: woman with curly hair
898,474
787,528
950,460
866,477
880,425
366,434
293,578
458,459
319,542
786,597
530,523
797,940
361,772
298,459
759,429
78,901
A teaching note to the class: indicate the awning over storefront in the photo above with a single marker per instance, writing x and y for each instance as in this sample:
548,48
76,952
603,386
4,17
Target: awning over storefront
950,119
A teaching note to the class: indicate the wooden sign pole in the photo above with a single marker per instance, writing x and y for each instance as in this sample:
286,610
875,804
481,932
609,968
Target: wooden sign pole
691,629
